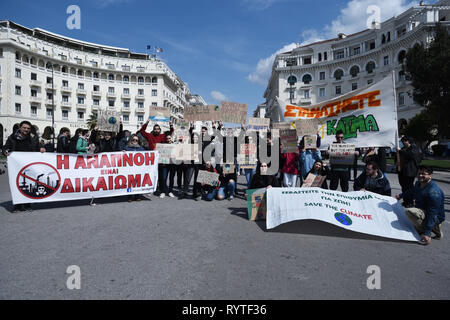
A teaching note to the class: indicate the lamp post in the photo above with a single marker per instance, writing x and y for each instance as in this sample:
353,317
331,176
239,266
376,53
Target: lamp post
53,111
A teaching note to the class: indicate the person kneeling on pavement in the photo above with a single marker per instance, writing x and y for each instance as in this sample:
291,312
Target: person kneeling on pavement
373,180
207,192
428,212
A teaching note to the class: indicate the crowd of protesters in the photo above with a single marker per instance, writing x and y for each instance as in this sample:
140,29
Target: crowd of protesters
424,200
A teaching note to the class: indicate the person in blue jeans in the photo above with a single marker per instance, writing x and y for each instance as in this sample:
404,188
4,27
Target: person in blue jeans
227,184
428,212
308,157
207,192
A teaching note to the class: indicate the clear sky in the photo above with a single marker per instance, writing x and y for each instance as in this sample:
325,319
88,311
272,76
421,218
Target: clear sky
223,49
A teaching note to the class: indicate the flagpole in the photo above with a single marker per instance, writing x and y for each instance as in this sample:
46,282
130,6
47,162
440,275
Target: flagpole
396,123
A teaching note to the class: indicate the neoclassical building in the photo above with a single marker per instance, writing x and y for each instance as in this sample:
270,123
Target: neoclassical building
323,70
40,70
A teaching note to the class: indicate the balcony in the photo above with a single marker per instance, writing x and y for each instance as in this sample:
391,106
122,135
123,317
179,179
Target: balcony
34,83
35,100
66,104
48,86
95,107
96,94
111,95
140,97
81,106
49,102
81,92
66,89
126,109
140,110
126,96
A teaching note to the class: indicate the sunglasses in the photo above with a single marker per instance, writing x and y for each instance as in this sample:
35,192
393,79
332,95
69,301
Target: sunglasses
135,140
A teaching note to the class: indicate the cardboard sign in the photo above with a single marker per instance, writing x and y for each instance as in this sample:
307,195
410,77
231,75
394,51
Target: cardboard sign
256,204
209,178
342,154
108,120
159,114
187,152
310,142
282,126
228,168
234,112
166,152
182,134
247,156
313,181
306,127
258,124
203,113
288,141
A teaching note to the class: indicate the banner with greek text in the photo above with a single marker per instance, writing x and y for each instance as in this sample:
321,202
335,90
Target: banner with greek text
44,177
359,211
367,116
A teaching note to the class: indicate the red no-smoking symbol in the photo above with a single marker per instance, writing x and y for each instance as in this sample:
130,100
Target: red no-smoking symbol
38,180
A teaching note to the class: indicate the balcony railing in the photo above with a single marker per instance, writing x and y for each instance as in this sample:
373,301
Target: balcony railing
140,97
66,89
33,83
81,91
126,96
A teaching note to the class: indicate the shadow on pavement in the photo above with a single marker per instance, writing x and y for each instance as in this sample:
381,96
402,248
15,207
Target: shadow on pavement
320,228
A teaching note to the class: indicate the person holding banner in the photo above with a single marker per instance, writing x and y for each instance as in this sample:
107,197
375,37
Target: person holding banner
167,171
340,174
428,213
289,169
373,179
22,140
83,142
227,184
108,143
207,192
63,141
74,140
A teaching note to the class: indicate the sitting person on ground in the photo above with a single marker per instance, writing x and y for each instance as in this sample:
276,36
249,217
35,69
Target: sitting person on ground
373,180
262,180
320,169
207,192
428,212
227,184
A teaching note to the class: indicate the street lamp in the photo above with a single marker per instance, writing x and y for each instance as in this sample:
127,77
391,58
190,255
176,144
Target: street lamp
53,110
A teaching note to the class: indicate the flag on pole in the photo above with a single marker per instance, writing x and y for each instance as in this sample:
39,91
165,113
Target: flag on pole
149,47
367,116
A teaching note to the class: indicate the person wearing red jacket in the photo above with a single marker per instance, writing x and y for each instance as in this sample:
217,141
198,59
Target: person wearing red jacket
155,136
289,169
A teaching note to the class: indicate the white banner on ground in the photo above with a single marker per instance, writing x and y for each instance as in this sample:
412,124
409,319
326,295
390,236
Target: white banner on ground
367,116
359,211
44,177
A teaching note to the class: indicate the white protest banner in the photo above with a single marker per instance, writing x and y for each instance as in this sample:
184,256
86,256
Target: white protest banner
234,112
43,177
206,177
342,154
367,116
258,124
313,181
288,139
359,211
187,152
166,152
108,120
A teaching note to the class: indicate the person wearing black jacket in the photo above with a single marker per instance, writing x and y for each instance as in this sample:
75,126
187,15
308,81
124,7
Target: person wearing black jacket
73,141
108,143
410,158
22,140
63,142
320,169
262,180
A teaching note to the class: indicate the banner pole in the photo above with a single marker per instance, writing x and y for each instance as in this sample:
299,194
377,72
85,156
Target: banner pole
396,123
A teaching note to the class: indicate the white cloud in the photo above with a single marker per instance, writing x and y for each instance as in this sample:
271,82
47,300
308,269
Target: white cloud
258,4
351,19
264,67
107,3
219,96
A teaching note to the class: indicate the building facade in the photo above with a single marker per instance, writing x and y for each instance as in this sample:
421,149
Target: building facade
324,70
40,71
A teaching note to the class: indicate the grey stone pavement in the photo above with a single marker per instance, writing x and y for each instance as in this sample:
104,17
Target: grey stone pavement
183,249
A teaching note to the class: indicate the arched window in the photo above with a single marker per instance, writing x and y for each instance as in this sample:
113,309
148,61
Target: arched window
370,67
338,74
141,80
126,79
64,69
354,71
154,80
292,80
306,79
111,77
